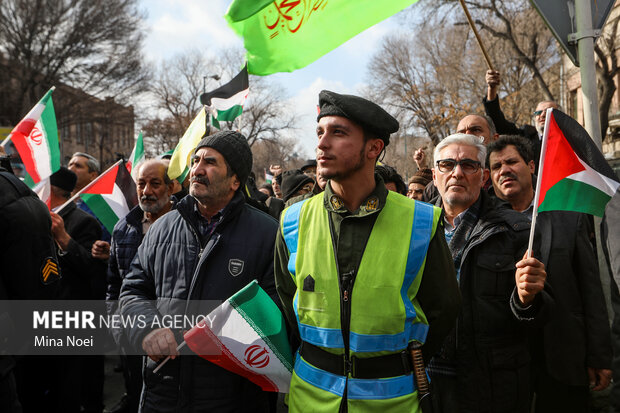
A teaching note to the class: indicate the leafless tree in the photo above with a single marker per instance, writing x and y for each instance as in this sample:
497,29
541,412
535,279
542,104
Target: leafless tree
91,45
179,83
607,68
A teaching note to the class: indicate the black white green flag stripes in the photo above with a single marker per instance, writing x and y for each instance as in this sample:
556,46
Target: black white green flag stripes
226,102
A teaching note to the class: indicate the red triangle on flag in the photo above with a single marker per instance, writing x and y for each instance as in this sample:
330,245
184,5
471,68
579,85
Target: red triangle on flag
560,160
105,183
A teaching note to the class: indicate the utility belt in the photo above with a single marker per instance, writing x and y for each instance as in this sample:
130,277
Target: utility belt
390,365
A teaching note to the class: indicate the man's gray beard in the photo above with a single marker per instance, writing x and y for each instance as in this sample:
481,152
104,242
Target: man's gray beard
540,129
156,207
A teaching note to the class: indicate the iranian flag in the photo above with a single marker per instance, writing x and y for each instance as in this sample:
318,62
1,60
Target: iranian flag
249,334
226,102
137,156
111,196
574,173
36,139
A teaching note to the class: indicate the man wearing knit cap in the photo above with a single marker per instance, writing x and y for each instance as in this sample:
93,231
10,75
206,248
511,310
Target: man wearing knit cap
418,182
363,273
208,248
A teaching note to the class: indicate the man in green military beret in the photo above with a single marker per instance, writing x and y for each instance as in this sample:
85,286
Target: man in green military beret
363,273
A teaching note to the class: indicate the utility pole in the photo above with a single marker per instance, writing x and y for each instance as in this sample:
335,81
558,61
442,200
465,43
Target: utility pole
585,38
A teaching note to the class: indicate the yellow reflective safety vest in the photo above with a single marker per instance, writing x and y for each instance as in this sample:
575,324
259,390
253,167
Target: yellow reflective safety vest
383,310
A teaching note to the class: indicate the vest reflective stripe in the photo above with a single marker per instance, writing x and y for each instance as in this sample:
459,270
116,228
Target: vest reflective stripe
361,343
371,389
418,246
290,231
319,336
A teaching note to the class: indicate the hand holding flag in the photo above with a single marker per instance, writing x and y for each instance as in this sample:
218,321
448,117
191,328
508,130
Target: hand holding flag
246,335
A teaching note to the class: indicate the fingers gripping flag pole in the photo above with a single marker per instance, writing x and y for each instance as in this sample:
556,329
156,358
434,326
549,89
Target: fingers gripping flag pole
247,336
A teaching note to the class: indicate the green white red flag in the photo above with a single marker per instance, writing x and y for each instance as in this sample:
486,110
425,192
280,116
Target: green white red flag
249,332
574,173
111,196
36,139
137,156
226,102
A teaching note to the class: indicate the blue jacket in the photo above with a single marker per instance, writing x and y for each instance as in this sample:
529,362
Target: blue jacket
175,264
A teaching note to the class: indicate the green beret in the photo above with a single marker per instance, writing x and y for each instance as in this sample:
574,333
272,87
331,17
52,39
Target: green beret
370,116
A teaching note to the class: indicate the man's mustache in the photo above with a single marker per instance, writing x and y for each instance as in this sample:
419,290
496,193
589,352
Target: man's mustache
200,179
508,175
145,198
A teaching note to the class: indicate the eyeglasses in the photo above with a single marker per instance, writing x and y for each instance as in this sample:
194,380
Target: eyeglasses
468,166
538,112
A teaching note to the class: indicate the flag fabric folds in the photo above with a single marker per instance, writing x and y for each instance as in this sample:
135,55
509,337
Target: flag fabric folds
226,102
36,139
179,163
575,174
137,156
287,35
111,196
246,334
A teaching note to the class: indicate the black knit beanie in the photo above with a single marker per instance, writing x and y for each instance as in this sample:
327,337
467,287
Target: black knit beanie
292,181
234,148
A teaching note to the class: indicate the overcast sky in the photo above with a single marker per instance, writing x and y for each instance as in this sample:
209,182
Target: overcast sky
178,25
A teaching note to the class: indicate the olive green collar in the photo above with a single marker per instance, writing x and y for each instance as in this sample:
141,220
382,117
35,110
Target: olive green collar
373,203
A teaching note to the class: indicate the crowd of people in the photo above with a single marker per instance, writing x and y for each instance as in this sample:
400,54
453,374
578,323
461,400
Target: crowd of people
366,268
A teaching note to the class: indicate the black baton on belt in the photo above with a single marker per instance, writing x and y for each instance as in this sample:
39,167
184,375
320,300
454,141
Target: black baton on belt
421,380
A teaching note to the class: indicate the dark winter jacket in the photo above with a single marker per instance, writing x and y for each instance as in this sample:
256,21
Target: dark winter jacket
491,346
26,244
83,275
173,265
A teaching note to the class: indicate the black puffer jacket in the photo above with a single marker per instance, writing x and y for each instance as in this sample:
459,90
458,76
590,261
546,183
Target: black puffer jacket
26,244
491,347
173,265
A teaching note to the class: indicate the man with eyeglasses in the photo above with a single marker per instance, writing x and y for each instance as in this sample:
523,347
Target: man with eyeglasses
483,365
505,127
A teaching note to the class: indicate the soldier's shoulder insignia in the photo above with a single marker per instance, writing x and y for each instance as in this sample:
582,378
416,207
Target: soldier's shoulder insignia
372,204
336,202
50,271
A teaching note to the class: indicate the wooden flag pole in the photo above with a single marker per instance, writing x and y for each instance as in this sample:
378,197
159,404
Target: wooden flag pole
473,28
543,150
60,208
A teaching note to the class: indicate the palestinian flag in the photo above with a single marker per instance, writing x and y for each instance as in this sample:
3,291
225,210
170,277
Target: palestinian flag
137,156
575,175
246,335
226,102
111,196
268,178
36,139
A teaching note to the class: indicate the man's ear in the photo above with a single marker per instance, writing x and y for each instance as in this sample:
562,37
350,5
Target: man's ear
532,166
485,175
236,183
375,148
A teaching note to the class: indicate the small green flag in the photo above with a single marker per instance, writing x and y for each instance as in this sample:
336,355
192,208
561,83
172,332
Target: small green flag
179,162
287,35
